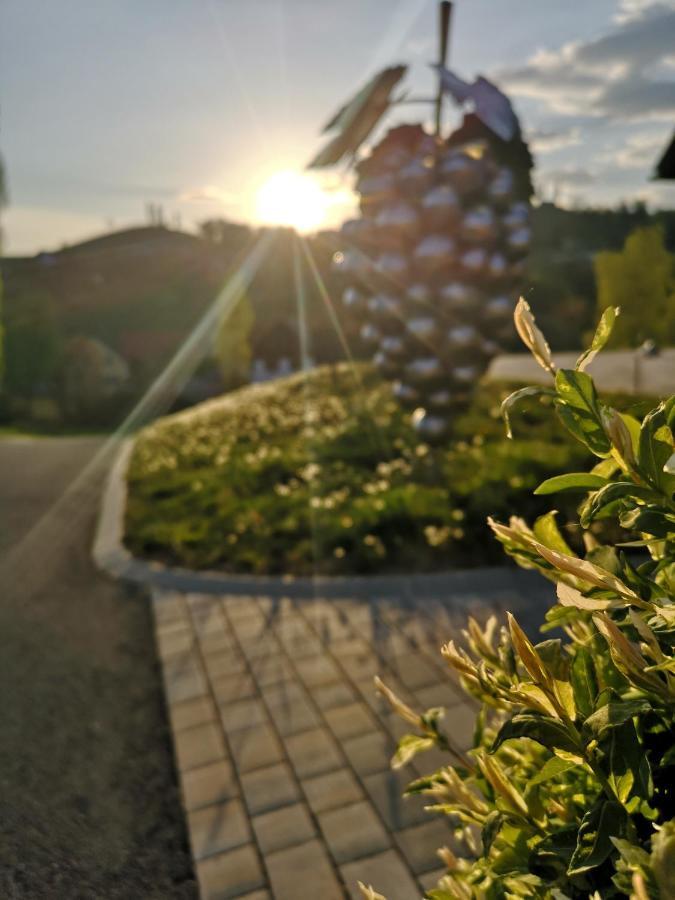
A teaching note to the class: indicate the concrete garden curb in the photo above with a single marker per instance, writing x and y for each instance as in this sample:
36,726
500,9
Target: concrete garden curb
112,557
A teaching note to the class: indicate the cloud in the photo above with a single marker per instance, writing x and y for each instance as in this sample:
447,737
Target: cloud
610,76
631,9
571,176
208,193
548,140
639,151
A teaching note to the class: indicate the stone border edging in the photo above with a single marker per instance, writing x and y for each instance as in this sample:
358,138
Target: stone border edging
111,556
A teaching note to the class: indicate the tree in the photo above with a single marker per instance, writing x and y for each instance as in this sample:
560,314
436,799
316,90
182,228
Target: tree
93,381
641,280
233,344
2,330
32,345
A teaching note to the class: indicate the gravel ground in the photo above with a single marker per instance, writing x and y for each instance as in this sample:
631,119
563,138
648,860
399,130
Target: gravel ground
89,804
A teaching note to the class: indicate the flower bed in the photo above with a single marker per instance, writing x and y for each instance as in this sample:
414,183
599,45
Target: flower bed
323,474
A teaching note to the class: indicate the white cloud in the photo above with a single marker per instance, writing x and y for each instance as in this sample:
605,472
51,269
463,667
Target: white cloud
610,76
639,151
549,140
631,9
571,176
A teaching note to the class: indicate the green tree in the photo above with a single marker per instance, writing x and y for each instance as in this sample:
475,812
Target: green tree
32,345
641,280
2,330
233,344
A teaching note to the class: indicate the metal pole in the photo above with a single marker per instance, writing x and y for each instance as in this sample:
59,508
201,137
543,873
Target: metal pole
445,11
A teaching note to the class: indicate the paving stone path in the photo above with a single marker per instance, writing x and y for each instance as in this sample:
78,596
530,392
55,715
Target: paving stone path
283,747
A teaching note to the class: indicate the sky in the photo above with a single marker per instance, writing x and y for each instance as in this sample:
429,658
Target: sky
193,104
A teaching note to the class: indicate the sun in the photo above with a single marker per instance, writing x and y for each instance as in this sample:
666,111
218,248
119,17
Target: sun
292,199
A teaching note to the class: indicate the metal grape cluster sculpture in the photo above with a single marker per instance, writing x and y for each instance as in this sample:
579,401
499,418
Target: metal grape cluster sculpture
434,265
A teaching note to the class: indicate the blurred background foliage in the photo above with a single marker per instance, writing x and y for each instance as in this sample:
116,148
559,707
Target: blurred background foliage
640,279
138,292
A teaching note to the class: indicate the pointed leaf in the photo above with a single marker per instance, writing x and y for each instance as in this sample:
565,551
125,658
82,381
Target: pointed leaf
532,336
613,714
574,481
516,396
669,466
550,733
546,530
408,747
491,829
626,762
552,768
656,446
600,338
615,490
579,409
584,682
594,844
569,596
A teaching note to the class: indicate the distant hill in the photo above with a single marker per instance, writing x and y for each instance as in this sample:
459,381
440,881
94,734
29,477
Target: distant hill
137,290
140,291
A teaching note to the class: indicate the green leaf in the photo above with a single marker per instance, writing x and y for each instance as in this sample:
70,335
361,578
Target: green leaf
649,520
430,717
552,768
626,762
635,856
584,682
667,665
615,490
574,481
516,853
547,533
656,447
606,468
408,747
549,732
559,617
606,557
600,338
422,785
663,857
594,840
579,409
554,658
479,726
613,714
561,843
633,425
491,829
515,397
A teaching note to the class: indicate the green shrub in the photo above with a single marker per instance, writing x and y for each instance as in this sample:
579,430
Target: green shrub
569,789
322,472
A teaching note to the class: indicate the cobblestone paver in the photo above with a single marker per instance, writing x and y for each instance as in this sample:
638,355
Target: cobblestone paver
283,747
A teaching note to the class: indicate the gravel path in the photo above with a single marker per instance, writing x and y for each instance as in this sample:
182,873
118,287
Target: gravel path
88,795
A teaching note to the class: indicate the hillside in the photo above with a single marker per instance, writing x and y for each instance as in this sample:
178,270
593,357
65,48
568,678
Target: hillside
140,291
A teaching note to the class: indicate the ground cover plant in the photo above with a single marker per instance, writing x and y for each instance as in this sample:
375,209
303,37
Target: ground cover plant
569,789
323,473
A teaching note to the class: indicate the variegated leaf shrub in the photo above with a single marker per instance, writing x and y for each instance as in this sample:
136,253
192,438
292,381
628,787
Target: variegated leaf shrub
569,789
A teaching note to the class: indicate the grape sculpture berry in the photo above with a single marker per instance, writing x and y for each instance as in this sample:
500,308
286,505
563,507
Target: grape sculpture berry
434,265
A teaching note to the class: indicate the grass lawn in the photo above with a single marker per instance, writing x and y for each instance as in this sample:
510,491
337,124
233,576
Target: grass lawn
326,475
